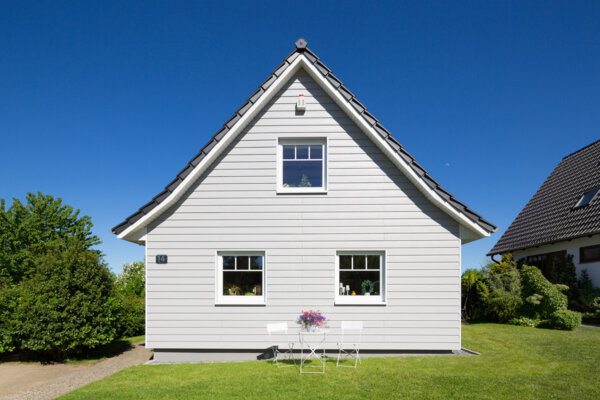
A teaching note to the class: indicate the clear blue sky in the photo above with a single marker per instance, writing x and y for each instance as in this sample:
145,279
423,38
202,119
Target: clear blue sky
103,103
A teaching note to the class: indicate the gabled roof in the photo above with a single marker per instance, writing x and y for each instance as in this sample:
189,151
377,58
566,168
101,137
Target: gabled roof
550,215
301,52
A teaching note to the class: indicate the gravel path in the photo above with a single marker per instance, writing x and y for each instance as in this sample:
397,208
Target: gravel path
35,381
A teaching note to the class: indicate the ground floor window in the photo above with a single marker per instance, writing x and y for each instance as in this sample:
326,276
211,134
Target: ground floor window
589,254
240,278
544,261
360,277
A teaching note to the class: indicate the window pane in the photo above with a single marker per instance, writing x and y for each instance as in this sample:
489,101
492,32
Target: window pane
288,152
256,262
303,174
359,262
242,283
587,198
373,262
361,282
345,262
228,262
242,262
316,152
301,152
590,253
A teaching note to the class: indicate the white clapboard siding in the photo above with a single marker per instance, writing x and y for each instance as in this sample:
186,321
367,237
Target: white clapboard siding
370,204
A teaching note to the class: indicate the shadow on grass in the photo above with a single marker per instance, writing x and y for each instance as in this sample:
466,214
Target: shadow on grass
99,353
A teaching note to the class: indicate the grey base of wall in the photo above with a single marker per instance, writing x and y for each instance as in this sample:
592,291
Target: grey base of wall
171,356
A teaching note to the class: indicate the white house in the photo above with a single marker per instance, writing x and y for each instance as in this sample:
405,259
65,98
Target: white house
302,201
562,217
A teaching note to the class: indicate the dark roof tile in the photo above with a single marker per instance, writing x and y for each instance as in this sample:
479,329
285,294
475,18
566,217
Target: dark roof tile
282,67
256,95
334,80
245,108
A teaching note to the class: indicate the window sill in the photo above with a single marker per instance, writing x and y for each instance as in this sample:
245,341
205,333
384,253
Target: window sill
359,302
302,191
260,302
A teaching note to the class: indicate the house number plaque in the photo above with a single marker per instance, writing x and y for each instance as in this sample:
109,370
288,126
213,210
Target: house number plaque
161,258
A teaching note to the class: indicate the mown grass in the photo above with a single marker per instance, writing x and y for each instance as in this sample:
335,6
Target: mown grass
515,363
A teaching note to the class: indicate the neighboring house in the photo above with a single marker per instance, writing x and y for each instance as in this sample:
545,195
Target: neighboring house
302,201
562,217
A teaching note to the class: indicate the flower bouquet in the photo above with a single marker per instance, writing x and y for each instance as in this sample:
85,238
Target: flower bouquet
311,321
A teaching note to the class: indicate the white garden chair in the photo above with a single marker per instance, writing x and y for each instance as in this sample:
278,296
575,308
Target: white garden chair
281,328
349,346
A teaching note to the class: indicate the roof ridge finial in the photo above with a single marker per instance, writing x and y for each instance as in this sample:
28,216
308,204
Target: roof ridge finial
301,44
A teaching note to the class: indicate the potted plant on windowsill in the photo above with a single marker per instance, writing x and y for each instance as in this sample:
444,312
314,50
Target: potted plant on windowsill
367,287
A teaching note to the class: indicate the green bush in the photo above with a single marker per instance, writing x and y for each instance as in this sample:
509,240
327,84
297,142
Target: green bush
130,289
8,328
473,290
132,281
524,321
586,293
534,283
563,319
131,316
593,317
66,306
504,297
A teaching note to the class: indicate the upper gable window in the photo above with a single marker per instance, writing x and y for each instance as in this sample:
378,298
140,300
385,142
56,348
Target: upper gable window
587,198
302,166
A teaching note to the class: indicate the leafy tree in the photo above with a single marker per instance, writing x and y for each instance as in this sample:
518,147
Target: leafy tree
132,281
586,292
130,290
564,273
41,220
505,265
473,290
504,298
66,306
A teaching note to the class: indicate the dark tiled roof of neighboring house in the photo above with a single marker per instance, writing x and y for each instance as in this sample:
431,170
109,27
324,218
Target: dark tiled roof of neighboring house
350,97
551,216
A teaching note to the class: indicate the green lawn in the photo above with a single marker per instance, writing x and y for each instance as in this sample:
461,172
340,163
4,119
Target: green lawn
515,363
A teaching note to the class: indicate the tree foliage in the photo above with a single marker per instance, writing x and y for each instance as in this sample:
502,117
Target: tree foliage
130,291
504,297
25,227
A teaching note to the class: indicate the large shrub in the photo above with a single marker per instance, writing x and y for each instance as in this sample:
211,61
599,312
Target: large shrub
132,281
130,288
586,293
544,298
563,319
8,328
66,306
131,316
473,291
504,297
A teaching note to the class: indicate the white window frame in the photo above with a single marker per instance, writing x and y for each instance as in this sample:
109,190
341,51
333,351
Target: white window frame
221,299
380,300
301,142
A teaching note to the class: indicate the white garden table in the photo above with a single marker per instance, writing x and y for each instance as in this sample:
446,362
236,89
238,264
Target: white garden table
315,350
